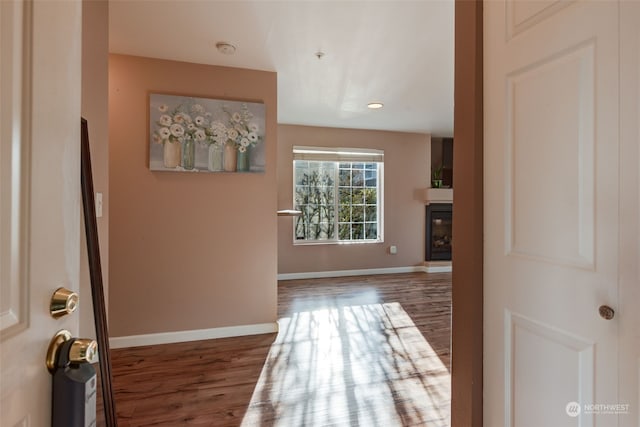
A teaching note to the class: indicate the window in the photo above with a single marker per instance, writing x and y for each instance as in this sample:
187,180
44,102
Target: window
339,192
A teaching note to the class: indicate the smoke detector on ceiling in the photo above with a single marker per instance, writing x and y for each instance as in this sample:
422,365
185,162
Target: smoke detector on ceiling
225,48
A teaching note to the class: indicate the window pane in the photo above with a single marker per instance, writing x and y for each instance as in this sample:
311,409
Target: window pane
345,213
357,178
315,197
371,196
301,195
357,231
371,230
371,213
344,232
300,230
321,231
371,178
344,195
358,196
345,178
357,165
357,213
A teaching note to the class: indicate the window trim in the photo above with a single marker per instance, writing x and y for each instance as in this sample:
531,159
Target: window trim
341,155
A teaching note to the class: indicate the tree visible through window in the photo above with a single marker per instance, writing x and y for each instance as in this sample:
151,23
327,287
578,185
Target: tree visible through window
338,200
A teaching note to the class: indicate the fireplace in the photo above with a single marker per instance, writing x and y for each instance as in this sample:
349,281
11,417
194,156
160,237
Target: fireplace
438,232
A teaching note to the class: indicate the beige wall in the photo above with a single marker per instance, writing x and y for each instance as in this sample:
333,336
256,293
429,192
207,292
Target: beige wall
187,251
95,59
406,174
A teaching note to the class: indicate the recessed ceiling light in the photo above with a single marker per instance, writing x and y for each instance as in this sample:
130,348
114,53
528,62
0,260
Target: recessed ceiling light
226,48
375,105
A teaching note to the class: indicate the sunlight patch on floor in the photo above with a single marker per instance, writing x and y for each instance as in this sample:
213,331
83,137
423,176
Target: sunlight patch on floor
365,365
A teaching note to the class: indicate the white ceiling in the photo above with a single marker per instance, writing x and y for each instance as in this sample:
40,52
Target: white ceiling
397,52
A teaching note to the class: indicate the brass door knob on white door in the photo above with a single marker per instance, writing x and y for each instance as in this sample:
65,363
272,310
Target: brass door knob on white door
83,351
606,312
80,350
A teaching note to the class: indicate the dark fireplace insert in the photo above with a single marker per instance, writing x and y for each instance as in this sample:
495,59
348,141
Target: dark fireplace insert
438,232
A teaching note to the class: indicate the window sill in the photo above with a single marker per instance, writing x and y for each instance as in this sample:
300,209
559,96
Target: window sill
336,242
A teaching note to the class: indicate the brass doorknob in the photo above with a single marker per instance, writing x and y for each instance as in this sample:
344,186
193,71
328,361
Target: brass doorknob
606,312
79,350
63,302
83,351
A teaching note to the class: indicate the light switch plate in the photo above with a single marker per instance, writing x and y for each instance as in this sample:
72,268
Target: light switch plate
98,205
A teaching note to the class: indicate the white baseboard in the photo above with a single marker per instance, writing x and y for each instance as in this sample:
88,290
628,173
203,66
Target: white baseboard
438,266
366,272
194,335
346,273
438,269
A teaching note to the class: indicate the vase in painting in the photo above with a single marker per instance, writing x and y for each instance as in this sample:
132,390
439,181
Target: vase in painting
216,158
171,154
242,164
230,157
189,154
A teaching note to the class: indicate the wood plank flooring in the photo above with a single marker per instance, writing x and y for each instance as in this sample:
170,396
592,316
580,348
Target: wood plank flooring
358,351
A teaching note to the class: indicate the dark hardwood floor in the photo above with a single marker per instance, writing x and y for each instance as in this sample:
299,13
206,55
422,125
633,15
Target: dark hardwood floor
357,351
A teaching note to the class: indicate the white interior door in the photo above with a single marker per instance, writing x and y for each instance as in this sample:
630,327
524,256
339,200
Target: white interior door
554,195
39,194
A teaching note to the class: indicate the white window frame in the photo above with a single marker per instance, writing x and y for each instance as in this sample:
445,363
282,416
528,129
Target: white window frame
342,155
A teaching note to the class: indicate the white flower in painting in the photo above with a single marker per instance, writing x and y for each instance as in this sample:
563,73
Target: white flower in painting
236,117
191,126
244,142
163,108
197,108
253,127
253,137
200,121
177,130
165,120
182,118
164,133
218,128
200,135
208,114
156,138
232,134
242,149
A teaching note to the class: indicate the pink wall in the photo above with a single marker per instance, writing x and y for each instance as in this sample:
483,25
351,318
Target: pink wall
95,83
187,251
406,174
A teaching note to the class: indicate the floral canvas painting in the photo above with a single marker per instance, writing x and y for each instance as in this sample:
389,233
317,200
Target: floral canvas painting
189,134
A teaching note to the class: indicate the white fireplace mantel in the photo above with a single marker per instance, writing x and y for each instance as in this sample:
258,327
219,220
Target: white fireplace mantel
438,195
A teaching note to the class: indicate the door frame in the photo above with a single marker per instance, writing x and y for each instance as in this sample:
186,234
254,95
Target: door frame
467,289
